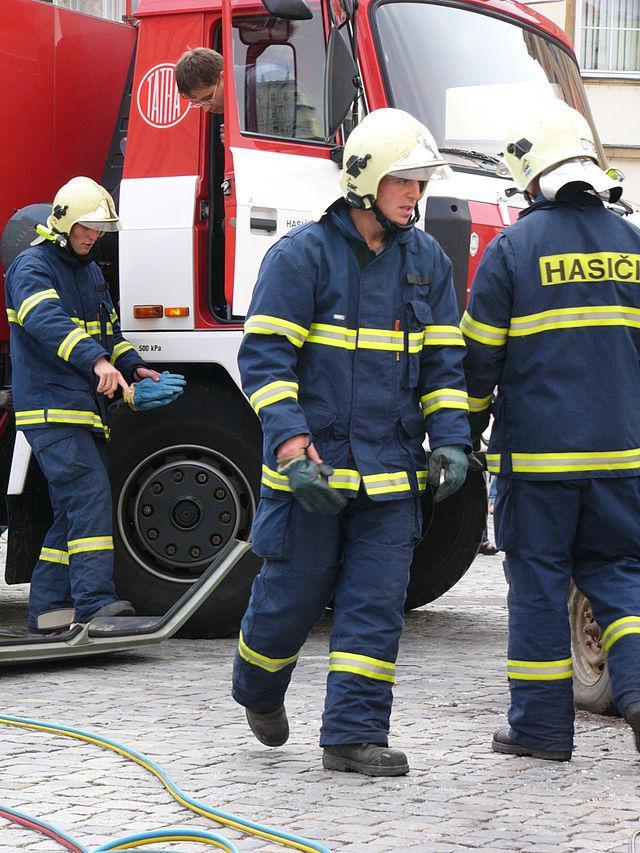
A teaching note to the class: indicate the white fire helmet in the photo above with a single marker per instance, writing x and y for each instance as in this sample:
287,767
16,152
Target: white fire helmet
82,201
554,143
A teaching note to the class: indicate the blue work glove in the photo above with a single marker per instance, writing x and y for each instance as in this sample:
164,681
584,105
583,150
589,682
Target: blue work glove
149,394
310,485
452,460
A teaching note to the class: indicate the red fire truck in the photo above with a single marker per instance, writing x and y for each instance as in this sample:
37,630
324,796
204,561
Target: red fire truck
200,209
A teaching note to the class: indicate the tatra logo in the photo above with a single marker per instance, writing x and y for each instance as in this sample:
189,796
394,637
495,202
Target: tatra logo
593,268
159,102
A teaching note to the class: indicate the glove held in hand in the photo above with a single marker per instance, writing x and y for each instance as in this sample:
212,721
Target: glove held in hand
453,461
149,394
310,487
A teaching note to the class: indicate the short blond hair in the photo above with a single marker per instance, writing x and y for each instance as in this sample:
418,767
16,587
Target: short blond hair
196,68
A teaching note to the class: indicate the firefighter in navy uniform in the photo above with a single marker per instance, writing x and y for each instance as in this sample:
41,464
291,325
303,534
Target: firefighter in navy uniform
68,358
351,353
554,322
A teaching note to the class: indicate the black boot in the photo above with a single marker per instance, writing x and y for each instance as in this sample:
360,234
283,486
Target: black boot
271,729
367,758
505,742
632,716
114,608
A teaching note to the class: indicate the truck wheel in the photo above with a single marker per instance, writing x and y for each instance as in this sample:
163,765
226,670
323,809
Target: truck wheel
591,682
185,480
451,534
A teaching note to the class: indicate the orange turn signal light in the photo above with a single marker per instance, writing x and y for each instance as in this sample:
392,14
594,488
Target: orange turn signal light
176,311
147,312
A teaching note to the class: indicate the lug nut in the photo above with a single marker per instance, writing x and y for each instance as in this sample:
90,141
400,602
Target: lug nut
195,551
176,476
216,539
220,494
147,509
156,488
170,550
225,517
201,477
152,533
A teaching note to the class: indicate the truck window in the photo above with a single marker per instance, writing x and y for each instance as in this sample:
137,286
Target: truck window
279,71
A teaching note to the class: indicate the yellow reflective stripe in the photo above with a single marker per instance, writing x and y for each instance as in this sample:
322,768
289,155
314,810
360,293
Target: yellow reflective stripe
422,480
91,326
71,340
493,336
120,349
381,339
33,300
479,404
380,484
332,336
545,463
593,267
90,543
263,324
54,555
620,628
444,398
33,416
12,316
443,336
574,318
493,463
274,480
268,664
273,393
345,478
548,670
380,670
415,342
113,316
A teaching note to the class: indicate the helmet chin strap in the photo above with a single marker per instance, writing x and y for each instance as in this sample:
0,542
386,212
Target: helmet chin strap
388,225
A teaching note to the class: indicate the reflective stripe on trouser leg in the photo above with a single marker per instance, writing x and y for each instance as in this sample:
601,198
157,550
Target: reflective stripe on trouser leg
49,587
368,619
607,570
73,460
538,522
288,597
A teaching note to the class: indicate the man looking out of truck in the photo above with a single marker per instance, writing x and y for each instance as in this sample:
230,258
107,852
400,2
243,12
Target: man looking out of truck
351,353
200,79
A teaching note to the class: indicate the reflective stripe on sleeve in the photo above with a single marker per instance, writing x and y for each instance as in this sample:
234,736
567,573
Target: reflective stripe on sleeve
33,300
71,340
620,628
553,463
480,404
332,336
263,324
90,543
381,484
54,555
381,339
493,463
120,349
574,318
444,398
421,477
415,341
30,417
268,664
493,336
273,393
546,670
443,336
380,670
12,316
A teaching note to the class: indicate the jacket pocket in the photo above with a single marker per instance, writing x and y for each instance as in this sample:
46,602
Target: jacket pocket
418,315
270,537
412,425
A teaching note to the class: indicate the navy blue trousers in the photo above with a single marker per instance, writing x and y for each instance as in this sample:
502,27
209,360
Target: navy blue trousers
359,559
75,568
551,531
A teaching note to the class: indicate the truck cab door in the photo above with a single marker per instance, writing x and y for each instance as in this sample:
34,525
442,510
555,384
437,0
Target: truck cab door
277,164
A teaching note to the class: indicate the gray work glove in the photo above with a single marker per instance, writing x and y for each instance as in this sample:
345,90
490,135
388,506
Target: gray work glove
310,485
452,460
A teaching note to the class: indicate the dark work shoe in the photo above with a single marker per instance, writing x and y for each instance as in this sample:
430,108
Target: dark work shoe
367,758
114,608
504,742
271,729
632,716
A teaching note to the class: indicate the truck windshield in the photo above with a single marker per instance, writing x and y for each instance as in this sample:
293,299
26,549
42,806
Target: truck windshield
463,73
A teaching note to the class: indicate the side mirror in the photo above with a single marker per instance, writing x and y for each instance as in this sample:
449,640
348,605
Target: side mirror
290,10
340,87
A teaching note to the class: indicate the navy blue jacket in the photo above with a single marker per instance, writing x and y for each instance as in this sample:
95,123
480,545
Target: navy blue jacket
554,322
61,321
360,352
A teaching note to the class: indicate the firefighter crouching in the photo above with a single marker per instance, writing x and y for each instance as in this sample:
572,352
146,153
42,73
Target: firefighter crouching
553,321
68,359
351,352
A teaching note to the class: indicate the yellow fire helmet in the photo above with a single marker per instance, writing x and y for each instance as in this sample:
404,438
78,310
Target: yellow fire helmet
387,142
554,142
82,201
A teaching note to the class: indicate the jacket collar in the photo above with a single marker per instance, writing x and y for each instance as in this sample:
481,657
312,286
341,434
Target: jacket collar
579,200
339,213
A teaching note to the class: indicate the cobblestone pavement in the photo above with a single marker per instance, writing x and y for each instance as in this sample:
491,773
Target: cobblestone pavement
172,703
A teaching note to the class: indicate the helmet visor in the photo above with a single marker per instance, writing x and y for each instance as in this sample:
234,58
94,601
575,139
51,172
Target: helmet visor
100,224
421,173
